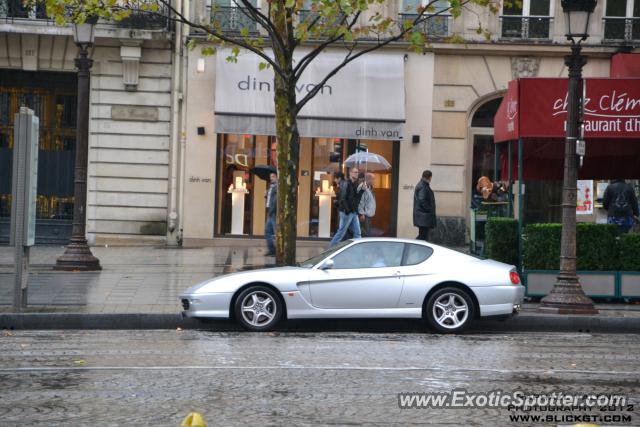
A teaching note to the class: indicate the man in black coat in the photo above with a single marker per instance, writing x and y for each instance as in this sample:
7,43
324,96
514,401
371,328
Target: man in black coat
424,207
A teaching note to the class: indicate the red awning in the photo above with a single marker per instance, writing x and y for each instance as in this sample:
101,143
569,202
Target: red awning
534,109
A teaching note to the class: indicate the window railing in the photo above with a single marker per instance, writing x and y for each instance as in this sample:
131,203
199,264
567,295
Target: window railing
621,28
433,26
309,16
146,20
525,27
233,19
15,9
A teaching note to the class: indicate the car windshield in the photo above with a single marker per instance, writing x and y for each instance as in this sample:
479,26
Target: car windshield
316,259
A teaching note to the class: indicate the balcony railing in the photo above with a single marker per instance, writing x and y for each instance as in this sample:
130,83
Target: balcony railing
233,19
14,9
145,20
525,27
433,26
617,29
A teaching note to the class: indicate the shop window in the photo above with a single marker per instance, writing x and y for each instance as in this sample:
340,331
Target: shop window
319,159
52,98
526,19
622,20
57,113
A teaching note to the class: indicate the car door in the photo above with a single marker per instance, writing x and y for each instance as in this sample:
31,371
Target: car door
365,275
417,273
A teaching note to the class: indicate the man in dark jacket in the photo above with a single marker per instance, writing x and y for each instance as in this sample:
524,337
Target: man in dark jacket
347,206
621,204
270,223
424,207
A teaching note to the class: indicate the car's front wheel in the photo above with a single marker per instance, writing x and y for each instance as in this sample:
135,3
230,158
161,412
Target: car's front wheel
449,310
258,308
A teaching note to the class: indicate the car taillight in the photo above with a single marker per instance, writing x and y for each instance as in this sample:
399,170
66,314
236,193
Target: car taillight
515,279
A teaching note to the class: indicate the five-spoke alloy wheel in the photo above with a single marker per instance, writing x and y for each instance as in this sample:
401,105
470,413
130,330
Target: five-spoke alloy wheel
258,308
449,310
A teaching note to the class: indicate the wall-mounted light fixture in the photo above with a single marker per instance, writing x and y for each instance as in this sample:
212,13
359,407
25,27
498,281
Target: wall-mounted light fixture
200,67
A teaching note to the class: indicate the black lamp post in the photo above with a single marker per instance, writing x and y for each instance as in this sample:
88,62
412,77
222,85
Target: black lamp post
77,255
567,296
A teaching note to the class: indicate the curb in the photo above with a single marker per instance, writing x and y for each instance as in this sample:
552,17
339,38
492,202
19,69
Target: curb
520,323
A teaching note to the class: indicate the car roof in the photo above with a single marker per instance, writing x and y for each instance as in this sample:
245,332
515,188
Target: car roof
392,239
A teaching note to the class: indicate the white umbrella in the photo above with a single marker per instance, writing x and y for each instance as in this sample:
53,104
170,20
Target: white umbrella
371,161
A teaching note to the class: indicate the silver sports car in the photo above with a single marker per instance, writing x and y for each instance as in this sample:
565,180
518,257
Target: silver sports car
364,278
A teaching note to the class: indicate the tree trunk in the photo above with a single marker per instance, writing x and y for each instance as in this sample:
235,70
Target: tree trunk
288,153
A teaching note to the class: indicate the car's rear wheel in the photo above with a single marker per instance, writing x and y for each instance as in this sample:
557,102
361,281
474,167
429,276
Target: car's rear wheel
449,310
258,308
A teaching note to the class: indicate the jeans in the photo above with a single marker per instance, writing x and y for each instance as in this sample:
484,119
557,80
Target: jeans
347,221
270,232
624,223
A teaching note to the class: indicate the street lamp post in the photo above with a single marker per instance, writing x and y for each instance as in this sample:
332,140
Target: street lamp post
567,296
77,255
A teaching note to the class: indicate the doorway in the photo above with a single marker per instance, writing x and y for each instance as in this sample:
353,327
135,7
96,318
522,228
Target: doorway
53,98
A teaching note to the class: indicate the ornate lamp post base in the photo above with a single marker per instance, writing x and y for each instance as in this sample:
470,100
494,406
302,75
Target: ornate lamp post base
567,297
77,256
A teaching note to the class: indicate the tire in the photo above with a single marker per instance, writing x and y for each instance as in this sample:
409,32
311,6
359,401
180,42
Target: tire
258,309
449,310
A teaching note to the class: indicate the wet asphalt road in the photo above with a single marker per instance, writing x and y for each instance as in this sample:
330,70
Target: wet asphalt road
117,378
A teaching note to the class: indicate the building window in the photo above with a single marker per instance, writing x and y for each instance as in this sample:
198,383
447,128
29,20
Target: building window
622,20
228,16
529,19
438,24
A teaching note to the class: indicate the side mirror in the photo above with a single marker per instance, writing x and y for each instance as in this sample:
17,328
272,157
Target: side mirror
327,265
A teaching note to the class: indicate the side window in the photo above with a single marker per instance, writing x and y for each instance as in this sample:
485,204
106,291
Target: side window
415,254
370,255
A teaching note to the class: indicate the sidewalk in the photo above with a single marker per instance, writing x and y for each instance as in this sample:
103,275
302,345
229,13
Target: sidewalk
139,287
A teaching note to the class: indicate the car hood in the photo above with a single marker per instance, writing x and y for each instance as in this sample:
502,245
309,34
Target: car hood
284,278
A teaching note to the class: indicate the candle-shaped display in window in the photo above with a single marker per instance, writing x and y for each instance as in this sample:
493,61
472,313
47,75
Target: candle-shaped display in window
324,200
325,185
238,192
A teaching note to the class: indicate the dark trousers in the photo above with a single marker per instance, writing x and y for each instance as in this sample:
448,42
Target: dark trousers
365,226
423,233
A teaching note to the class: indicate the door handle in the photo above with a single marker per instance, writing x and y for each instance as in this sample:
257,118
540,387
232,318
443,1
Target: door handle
398,274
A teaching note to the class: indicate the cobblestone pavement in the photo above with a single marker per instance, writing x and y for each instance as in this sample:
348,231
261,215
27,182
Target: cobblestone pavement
154,378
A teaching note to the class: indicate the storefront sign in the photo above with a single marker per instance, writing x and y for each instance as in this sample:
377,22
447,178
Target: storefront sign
584,203
537,108
364,100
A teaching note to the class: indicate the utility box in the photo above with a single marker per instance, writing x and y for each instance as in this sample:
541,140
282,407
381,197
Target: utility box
25,178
